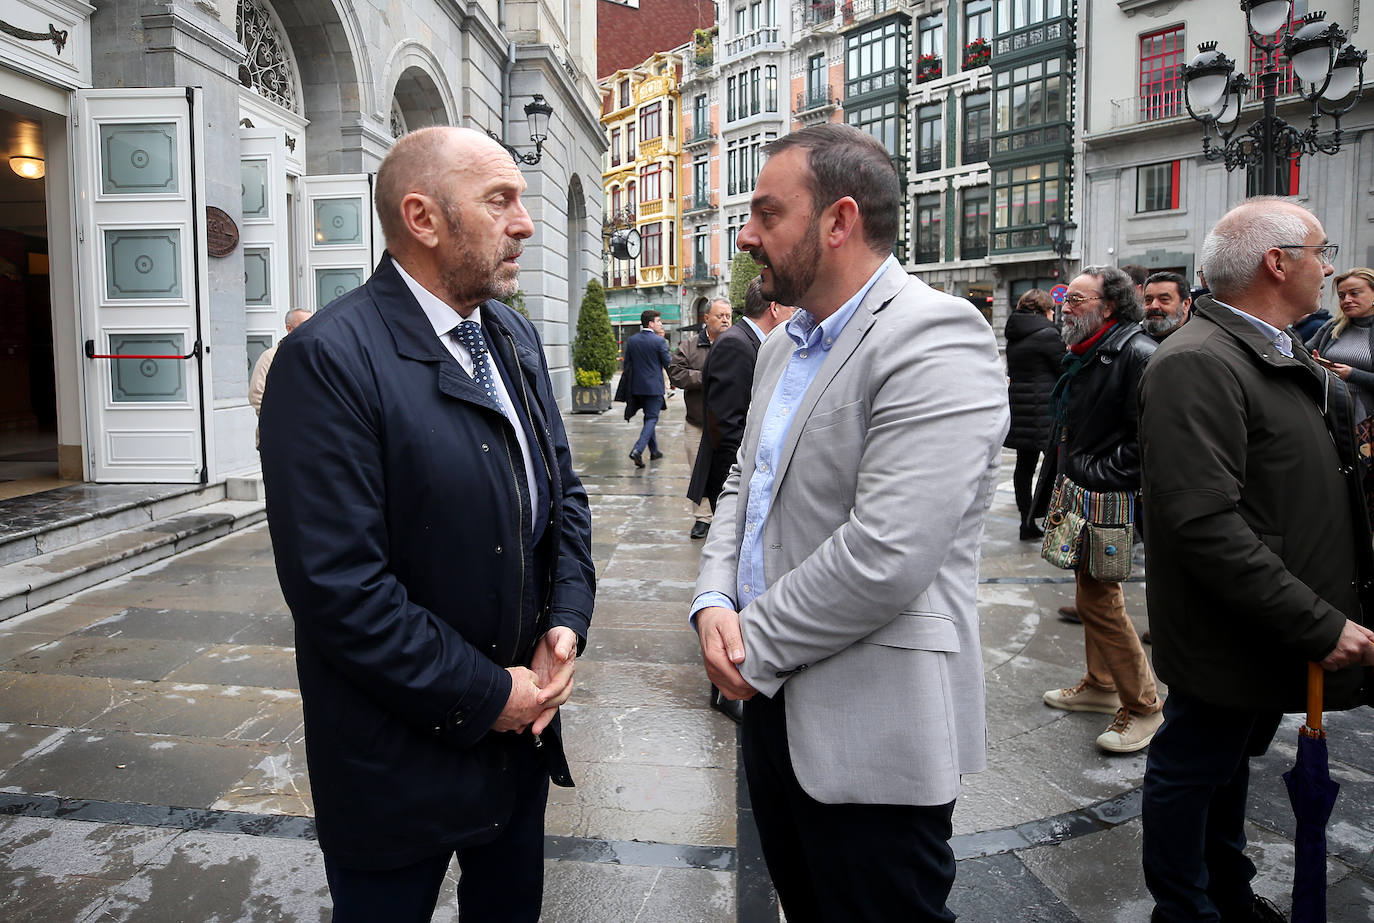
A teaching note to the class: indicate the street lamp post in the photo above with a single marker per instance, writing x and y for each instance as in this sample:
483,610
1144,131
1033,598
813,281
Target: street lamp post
1062,234
1326,68
537,113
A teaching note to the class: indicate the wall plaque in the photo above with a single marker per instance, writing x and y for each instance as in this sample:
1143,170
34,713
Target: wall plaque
221,234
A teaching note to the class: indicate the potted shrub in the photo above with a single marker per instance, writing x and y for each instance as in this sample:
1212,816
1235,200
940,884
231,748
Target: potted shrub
847,12
705,50
593,353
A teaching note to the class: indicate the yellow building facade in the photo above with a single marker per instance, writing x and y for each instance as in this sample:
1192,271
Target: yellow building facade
642,117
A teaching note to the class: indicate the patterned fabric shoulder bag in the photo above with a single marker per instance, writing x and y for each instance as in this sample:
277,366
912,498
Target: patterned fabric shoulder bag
1093,529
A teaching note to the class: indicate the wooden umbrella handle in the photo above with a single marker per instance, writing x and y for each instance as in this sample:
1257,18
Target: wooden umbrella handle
1316,677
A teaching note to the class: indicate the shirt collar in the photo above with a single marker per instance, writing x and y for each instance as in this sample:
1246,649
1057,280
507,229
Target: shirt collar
803,327
1282,342
758,331
441,317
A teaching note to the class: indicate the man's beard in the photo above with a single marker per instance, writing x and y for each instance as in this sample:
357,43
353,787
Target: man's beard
1157,323
794,278
466,280
1078,328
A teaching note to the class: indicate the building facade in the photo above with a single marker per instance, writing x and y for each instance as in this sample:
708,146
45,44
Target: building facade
642,120
208,165
972,99
1147,194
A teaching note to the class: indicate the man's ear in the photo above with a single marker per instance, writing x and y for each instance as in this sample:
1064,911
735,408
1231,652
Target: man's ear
421,217
839,221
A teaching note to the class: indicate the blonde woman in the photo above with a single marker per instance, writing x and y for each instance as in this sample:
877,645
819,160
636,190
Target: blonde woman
1345,344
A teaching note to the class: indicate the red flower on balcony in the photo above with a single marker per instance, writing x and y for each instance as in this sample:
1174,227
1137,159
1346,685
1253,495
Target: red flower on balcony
928,67
977,53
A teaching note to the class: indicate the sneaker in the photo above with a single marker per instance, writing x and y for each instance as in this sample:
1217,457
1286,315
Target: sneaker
1083,698
1130,732
1069,614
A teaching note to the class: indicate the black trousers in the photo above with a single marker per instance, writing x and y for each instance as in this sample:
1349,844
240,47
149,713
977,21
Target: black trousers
1022,482
842,863
501,881
1193,813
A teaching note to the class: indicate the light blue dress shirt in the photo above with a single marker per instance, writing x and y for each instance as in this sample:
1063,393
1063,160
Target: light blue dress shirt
1280,338
813,341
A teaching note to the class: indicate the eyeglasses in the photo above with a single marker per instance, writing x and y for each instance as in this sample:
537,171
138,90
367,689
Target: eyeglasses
1075,299
1327,252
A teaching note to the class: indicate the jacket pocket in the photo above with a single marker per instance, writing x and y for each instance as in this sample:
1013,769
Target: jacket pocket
919,631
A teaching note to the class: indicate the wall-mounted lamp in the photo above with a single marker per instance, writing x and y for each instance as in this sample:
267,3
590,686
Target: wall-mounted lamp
28,167
537,113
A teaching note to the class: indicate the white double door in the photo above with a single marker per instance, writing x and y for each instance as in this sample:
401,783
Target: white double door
144,283
141,238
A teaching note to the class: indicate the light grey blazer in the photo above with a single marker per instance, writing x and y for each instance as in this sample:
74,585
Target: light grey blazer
871,548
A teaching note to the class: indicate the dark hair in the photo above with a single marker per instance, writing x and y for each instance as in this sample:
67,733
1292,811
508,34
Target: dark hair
648,316
845,161
1136,272
1035,301
1179,281
754,303
1119,289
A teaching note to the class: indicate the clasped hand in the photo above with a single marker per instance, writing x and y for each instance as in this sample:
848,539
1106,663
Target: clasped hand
537,691
1354,646
722,649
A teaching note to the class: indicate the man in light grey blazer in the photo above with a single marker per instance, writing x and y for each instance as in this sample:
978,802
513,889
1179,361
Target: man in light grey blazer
837,586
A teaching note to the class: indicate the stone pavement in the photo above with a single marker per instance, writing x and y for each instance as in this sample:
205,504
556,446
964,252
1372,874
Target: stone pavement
152,768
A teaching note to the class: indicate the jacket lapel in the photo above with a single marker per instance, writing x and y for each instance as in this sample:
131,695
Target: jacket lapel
413,334
888,285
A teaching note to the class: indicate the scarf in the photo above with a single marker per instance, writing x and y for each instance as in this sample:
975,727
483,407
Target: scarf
1078,355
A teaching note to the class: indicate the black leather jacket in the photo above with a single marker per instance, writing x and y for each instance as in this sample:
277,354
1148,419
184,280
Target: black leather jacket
1102,448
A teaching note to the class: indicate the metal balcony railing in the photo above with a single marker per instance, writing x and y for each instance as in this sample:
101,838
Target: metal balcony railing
759,38
703,273
973,248
816,98
698,202
704,131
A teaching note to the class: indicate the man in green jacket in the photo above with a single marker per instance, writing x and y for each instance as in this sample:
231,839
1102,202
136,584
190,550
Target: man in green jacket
1258,544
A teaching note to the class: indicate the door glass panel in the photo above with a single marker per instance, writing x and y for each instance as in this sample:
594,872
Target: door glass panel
257,276
338,222
143,264
137,159
331,283
258,343
254,184
143,380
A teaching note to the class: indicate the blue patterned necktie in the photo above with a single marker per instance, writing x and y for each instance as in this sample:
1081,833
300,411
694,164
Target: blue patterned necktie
469,333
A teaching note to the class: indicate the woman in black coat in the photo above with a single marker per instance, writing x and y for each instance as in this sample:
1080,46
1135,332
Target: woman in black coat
1034,351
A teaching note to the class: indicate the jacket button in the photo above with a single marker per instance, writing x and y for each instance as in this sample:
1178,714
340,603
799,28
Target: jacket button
498,549
485,447
1346,470
457,719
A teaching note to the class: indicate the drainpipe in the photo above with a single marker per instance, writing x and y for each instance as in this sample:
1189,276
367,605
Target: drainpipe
506,67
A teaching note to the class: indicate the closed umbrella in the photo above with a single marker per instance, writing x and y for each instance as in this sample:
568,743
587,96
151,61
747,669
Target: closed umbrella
1313,795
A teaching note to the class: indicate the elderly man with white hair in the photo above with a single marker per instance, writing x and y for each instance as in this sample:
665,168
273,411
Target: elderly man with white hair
1258,545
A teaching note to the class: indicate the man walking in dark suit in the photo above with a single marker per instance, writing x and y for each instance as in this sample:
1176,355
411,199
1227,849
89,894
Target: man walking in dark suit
434,546
725,382
646,359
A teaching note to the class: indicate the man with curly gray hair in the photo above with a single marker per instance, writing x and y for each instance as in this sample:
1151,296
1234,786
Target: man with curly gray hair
1094,404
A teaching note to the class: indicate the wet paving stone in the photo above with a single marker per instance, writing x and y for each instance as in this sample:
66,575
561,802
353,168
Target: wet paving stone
241,664
138,768
123,658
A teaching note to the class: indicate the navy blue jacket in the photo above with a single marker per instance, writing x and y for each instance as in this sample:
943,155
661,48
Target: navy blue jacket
399,519
646,359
